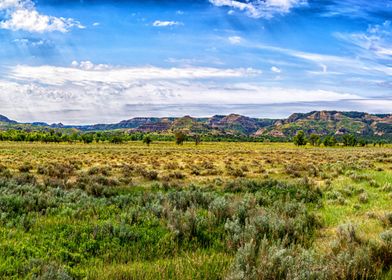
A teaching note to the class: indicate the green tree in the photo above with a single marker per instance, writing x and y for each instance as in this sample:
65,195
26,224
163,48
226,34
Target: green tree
314,140
300,139
362,142
87,138
349,140
147,140
180,137
329,141
197,139
117,139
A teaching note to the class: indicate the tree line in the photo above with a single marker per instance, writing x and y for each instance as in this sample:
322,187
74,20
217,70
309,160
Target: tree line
179,137
74,136
347,140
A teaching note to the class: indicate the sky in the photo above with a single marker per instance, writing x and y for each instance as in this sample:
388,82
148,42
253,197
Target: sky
84,61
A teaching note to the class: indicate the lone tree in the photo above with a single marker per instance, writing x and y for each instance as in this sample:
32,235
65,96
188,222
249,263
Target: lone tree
180,137
197,139
300,139
147,140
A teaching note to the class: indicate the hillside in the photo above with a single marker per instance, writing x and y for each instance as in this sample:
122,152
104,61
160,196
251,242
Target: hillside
4,119
332,122
318,122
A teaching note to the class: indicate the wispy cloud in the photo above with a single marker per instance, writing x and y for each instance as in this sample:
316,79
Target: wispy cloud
159,23
23,15
354,64
235,40
375,42
356,8
260,8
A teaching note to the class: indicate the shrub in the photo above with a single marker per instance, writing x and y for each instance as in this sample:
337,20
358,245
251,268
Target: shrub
147,140
25,178
149,174
363,198
25,167
177,175
235,172
387,236
220,208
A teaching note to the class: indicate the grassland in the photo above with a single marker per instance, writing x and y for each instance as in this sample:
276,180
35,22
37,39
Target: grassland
212,211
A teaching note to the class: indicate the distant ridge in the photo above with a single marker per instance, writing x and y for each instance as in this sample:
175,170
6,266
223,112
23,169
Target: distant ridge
4,119
318,122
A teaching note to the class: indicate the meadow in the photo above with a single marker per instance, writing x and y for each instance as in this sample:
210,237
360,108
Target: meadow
207,211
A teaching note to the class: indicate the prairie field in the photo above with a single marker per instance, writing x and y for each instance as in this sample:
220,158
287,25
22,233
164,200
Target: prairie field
211,211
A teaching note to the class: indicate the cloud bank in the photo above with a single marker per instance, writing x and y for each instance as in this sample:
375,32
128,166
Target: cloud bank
89,93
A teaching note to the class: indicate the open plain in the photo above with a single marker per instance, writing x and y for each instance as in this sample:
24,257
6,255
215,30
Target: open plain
208,211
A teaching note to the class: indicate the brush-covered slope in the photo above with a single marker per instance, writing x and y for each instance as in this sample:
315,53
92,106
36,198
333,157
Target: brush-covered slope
332,122
318,122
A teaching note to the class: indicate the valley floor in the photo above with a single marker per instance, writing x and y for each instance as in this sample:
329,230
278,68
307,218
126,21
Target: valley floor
212,211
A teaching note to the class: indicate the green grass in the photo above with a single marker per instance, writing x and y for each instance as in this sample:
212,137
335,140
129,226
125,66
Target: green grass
213,211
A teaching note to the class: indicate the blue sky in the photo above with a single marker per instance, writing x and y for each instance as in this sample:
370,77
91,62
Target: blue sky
83,62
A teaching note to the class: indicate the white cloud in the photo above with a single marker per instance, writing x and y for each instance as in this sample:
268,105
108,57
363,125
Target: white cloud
159,23
22,15
86,71
338,64
93,101
260,8
7,4
276,69
88,93
89,66
376,41
235,40
356,8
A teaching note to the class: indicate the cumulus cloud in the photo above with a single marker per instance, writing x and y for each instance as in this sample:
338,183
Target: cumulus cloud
260,8
23,15
159,23
275,69
6,4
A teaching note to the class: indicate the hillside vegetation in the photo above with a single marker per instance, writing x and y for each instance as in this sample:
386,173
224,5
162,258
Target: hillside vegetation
318,122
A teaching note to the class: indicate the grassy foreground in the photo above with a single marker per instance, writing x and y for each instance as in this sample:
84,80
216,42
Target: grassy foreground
213,211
